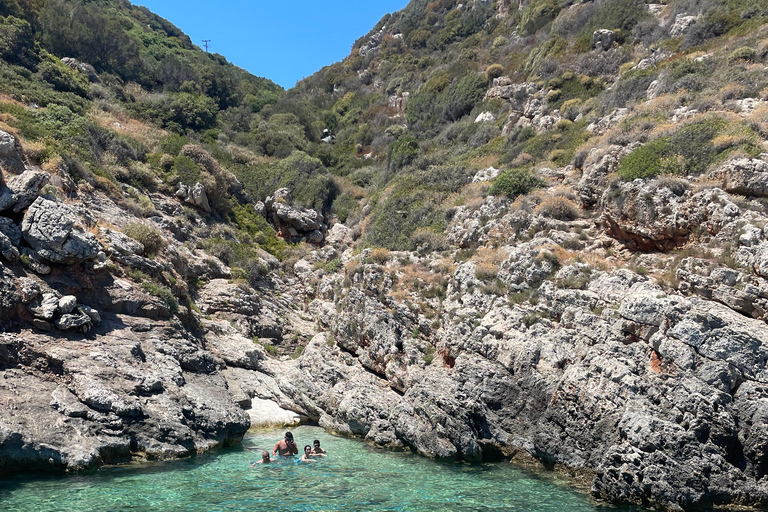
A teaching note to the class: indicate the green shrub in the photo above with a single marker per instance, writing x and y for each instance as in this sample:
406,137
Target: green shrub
403,151
344,205
147,235
537,14
743,53
60,121
689,150
172,143
429,354
407,208
17,42
259,230
515,182
185,170
572,86
427,240
162,293
61,76
461,96
494,71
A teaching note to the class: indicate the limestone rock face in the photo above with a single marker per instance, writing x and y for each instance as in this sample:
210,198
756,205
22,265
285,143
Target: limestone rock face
194,196
134,392
603,39
745,176
635,393
127,251
10,230
485,117
662,214
683,22
597,167
11,157
516,94
293,223
22,190
54,232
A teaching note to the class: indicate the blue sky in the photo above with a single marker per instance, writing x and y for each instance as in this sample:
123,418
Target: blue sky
284,41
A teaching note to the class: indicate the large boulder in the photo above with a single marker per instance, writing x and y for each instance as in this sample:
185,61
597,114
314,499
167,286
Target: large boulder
53,230
517,94
194,196
683,22
659,215
22,190
603,39
11,157
744,176
294,223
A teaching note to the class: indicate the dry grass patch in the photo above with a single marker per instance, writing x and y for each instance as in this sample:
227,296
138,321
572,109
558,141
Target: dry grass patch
380,256
416,278
122,124
558,207
483,162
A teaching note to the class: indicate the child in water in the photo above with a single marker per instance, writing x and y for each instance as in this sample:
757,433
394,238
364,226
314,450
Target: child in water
264,459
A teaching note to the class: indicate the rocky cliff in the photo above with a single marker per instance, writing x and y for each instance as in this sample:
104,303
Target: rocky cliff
562,258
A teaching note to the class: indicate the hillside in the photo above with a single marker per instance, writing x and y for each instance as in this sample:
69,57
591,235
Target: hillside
527,230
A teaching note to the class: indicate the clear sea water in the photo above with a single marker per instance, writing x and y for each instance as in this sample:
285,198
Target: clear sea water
354,477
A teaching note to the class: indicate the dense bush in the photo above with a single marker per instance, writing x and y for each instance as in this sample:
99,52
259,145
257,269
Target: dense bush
515,182
537,14
148,236
690,150
17,43
407,208
558,207
462,95
179,111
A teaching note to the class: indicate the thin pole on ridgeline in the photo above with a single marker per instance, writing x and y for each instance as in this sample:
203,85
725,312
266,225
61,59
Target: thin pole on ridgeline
206,41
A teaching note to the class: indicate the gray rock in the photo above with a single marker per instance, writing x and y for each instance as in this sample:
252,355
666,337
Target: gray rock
67,303
194,196
53,230
603,39
22,190
517,94
745,176
11,156
68,322
7,144
32,261
7,249
682,24
46,307
11,230
92,313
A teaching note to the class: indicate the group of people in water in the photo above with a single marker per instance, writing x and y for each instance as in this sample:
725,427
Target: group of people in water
287,447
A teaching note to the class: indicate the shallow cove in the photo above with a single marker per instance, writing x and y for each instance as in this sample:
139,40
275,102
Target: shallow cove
353,477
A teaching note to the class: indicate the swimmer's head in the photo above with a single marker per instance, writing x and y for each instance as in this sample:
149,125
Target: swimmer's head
265,455
288,436
307,449
316,442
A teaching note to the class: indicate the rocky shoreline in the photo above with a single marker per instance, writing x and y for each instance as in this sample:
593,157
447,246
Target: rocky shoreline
550,338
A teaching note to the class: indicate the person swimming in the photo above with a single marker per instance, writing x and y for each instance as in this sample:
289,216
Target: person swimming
316,450
264,459
307,456
286,447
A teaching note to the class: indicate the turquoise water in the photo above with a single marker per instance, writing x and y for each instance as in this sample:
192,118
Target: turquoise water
354,477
